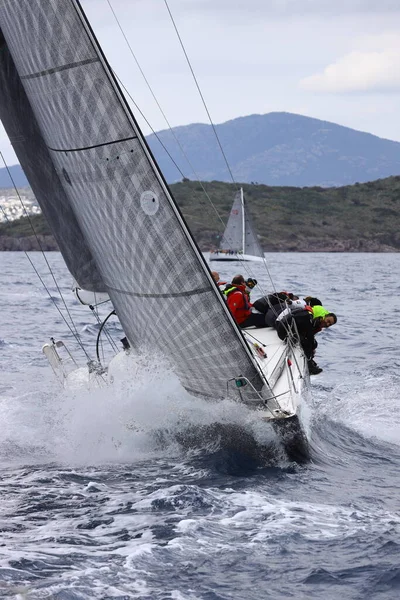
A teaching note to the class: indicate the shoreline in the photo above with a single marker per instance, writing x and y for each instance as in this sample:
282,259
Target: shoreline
48,244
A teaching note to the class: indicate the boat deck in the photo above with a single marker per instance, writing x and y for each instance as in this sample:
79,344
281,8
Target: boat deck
283,365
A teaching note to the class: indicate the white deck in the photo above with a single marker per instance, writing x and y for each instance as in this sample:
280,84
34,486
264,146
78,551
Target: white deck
284,367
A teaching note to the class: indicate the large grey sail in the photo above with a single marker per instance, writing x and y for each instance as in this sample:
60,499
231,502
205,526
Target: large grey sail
157,279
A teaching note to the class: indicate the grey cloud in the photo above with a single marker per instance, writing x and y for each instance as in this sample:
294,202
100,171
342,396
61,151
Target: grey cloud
266,7
291,7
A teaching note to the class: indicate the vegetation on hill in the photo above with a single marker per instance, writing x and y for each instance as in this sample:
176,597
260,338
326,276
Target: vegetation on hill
22,227
362,217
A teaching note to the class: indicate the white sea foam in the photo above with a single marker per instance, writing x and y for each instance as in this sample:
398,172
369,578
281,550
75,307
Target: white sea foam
370,409
179,524
116,422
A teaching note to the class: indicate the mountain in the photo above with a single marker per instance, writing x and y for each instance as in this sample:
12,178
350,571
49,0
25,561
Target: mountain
278,149
16,173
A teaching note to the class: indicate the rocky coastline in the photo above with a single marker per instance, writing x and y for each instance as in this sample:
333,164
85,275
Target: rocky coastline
48,244
29,243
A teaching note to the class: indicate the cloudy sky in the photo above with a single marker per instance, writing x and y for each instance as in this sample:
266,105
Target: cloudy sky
337,60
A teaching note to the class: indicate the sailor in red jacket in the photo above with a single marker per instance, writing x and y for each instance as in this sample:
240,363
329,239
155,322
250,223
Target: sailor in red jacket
239,304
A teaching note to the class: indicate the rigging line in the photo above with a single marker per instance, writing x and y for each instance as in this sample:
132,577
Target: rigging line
200,92
229,242
173,161
44,284
106,332
147,122
209,116
72,329
137,63
208,113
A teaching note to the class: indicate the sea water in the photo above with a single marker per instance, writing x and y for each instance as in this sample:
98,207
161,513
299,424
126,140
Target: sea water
94,505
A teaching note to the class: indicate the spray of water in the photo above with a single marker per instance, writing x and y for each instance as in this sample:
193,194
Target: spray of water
145,410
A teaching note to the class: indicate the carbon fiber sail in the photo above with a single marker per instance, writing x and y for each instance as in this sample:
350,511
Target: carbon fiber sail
240,235
105,198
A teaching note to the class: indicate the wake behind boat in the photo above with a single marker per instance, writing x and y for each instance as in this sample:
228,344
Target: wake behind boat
239,241
118,226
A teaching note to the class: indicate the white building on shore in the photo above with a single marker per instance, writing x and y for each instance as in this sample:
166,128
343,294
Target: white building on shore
13,207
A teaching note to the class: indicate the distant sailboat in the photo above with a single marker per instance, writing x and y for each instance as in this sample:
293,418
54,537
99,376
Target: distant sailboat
117,225
239,241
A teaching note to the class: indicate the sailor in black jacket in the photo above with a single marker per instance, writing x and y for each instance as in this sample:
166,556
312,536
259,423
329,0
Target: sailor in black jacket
301,324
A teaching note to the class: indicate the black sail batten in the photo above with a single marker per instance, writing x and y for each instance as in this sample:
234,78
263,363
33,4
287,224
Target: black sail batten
136,234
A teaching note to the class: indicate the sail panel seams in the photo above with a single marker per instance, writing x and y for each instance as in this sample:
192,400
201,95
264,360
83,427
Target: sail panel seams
80,63
166,295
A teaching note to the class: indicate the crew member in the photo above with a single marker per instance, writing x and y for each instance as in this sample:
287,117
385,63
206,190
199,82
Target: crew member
301,325
240,306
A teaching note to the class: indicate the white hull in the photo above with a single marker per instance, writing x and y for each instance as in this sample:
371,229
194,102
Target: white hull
284,368
235,257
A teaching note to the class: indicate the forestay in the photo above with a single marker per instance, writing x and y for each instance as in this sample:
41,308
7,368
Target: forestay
109,207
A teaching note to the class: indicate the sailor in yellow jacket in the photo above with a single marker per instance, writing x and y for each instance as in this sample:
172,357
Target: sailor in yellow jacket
317,309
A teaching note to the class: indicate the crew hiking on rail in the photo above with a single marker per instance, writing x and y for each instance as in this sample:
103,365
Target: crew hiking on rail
286,312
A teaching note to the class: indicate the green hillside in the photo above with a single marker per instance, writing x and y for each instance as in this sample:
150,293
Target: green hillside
361,217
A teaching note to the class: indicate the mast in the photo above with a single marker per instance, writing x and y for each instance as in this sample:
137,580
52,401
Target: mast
243,222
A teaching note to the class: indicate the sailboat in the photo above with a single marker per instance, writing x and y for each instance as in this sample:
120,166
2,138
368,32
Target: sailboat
239,241
116,223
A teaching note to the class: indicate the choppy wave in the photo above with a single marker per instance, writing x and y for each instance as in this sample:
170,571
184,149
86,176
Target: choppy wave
102,496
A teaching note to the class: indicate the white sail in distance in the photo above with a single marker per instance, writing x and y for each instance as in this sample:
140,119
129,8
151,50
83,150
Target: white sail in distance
239,235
